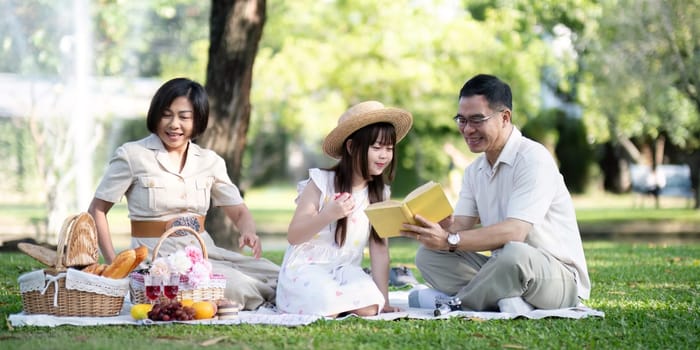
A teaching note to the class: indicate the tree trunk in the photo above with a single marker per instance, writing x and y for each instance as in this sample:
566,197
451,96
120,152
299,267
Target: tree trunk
235,31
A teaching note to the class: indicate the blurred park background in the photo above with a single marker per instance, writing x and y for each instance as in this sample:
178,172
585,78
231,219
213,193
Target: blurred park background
608,86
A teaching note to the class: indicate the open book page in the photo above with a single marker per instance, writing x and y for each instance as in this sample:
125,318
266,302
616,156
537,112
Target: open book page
421,189
428,200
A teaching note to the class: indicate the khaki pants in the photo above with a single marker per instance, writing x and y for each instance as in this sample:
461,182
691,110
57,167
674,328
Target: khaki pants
518,270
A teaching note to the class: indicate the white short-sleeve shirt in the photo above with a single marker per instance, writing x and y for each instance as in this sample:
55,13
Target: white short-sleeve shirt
525,184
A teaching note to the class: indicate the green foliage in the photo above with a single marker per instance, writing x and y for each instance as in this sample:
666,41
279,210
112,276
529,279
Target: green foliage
634,76
640,84
31,38
152,38
316,59
574,153
165,38
18,154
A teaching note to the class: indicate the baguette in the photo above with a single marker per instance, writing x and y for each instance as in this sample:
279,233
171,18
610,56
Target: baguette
100,269
141,254
93,269
121,266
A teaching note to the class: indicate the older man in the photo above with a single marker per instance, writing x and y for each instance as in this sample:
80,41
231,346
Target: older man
515,191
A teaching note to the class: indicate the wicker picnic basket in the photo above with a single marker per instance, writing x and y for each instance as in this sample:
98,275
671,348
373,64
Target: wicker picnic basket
65,291
210,290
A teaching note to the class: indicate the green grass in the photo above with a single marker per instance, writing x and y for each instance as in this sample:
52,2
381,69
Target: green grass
620,215
650,294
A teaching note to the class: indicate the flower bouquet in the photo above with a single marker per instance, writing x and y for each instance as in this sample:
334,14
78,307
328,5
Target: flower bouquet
191,264
188,263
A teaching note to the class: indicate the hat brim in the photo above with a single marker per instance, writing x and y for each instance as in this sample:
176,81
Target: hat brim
399,118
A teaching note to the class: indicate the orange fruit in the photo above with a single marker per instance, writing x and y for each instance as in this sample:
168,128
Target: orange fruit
186,302
203,310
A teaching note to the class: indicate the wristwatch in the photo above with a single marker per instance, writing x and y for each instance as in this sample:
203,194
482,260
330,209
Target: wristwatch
453,240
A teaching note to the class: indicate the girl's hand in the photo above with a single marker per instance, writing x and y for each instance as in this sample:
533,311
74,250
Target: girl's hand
341,206
251,240
389,308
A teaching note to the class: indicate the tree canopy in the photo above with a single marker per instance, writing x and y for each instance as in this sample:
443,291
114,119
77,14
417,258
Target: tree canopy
624,70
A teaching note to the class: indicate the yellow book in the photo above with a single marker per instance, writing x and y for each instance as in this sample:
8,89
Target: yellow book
428,200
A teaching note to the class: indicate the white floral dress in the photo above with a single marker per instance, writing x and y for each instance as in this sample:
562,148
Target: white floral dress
318,277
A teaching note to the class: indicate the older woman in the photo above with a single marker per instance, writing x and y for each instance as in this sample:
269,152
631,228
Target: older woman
169,180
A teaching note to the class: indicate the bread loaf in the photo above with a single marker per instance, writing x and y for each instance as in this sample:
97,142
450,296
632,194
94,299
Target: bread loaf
141,254
100,269
93,269
121,266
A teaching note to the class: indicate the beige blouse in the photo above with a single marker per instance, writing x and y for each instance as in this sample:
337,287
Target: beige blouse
155,190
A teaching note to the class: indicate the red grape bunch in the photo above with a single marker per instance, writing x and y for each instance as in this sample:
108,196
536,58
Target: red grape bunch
171,312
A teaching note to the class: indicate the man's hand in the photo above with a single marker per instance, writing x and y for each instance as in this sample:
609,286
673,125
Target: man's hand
430,234
447,222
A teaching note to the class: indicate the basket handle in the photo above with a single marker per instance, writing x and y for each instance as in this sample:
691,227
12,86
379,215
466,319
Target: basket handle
174,229
63,238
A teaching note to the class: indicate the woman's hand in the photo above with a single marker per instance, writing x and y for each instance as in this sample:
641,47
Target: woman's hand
251,240
243,219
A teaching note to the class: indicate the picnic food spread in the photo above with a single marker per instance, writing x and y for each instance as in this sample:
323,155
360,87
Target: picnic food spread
183,311
75,283
62,288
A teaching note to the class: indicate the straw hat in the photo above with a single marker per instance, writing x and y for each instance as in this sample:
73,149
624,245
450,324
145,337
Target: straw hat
361,115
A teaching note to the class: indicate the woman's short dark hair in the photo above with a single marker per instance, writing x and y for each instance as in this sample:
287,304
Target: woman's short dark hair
173,89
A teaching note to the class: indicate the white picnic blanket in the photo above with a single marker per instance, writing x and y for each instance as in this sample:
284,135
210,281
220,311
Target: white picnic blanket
270,316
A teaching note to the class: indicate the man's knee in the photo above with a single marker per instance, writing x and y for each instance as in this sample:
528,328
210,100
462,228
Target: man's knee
513,254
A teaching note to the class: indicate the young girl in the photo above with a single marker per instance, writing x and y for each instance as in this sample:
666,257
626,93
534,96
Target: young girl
321,273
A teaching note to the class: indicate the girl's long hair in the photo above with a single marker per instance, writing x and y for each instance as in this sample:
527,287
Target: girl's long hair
356,159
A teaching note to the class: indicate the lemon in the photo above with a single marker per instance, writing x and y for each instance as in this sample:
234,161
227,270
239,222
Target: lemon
140,311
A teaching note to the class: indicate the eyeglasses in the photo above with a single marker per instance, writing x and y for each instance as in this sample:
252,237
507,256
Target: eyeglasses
474,121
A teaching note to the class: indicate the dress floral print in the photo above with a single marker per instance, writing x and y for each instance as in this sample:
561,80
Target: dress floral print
318,277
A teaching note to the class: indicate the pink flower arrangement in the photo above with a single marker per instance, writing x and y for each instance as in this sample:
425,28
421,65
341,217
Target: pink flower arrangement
189,262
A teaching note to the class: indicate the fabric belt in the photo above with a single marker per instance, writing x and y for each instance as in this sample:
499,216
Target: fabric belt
154,229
